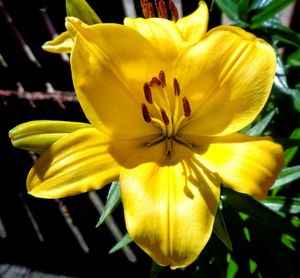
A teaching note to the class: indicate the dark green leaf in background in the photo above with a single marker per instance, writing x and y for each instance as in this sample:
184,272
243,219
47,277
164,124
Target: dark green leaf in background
269,11
113,199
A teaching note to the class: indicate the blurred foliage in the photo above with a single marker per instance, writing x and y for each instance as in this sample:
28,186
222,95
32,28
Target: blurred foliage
254,238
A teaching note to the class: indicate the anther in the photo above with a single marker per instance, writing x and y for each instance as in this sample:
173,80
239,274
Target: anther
173,10
150,10
146,113
165,117
176,87
144,4
162,78
155,81
186,107
162,9
147,93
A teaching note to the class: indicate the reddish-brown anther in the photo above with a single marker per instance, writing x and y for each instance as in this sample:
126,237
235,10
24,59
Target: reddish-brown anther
146,113
155,81
164,116
148,93
162,78
186,107
176,87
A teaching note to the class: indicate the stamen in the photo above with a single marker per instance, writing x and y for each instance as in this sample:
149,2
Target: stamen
176,87
162,9
150,10
147,93
162,78
173,10
154,81
164,116
186,107
144,4
146,113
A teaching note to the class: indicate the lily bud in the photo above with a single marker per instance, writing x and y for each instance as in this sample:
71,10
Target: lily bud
37,136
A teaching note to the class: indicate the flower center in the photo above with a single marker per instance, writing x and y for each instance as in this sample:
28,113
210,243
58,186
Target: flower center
158,110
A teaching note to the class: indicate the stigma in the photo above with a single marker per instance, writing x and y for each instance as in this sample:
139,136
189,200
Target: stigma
166,108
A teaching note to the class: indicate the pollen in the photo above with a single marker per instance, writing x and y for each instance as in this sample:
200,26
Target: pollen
146,113
147,93
186,107
176,87
165,117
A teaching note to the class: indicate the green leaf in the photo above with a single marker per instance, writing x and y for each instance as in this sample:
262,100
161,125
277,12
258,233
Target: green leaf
287,175
294,59
260,127
280,32
280,81
283,204
270,10
243,8
155,270
288,241
291,152
113,199
232,268
259,212
252,266
230,8
125,240
259,4
221,231
82,10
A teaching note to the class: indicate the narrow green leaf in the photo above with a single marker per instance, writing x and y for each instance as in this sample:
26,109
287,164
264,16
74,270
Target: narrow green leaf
259,212
260,127
125,240
280,81
221,231
155,270
230,8
243,8
82,10
273,8
290,153
259,4
288,241
294,59
287,175
113,199
280,32
283,204
252,266
232,268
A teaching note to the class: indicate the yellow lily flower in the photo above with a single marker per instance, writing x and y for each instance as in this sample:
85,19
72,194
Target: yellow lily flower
165,101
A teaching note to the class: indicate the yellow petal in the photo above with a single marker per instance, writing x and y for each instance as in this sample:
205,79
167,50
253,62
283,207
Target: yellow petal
77,163
227,78
163,34
38,135
110,64
63,43
169,205
194,26
246,164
